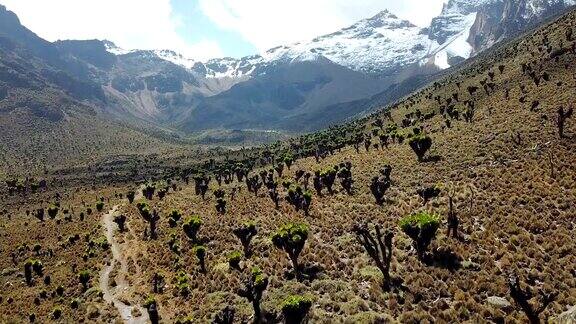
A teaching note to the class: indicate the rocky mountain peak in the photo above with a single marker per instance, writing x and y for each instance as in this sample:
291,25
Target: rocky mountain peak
384,19
8,17
380,44
464,7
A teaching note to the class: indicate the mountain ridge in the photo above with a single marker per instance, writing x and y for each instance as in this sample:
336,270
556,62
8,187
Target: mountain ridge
454,12
162,91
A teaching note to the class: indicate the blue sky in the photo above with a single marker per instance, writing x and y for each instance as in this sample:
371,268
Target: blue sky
195,26
204,29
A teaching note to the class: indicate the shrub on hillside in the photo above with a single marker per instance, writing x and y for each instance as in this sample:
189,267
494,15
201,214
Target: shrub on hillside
253,289
420,143
245,233
291,239
421,228
191,227
295,308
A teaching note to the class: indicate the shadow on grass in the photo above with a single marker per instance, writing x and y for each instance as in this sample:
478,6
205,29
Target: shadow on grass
433,159
307,273
444,258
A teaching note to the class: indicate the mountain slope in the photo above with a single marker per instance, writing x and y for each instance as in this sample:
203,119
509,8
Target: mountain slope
497,161
43,124
385,48
385,43
294,88
264,102
515,207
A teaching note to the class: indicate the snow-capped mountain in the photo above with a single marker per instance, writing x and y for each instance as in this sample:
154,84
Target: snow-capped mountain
296,87
384,44
376,45
535,9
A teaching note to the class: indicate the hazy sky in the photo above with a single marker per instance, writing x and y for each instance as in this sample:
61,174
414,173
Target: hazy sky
206,28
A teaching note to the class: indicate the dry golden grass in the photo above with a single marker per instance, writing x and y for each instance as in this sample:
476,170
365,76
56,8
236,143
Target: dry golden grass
30,144
516,216
60,253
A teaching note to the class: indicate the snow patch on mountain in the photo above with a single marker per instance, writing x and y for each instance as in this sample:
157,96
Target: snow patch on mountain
464,7
380,45
175,58
537,8
457,46
231,67
373,45
113,49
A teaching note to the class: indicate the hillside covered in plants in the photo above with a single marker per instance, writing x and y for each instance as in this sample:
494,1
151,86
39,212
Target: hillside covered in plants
456,204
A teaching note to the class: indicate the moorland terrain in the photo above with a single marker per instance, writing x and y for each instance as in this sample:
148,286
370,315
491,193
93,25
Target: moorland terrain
71,104
455,204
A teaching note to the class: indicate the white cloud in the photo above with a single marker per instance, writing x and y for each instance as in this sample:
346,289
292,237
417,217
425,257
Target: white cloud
269,23
152,24
131,24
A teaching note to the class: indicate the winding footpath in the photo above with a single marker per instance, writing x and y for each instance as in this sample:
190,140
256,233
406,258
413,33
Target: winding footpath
111,293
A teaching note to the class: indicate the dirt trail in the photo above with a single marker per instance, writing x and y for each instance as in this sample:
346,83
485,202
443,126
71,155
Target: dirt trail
111,294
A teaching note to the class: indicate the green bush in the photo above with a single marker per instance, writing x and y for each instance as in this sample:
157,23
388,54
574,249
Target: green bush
84,278
185,320
144,210
28,272
38,267
291,238
99,206
288,158
234,259
245,233
56,312
295,308
421,228
182,283
149,301
258,277
191,227
141,205
200,251
174,217
52,211
253,289
131,195
101,242
420,143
